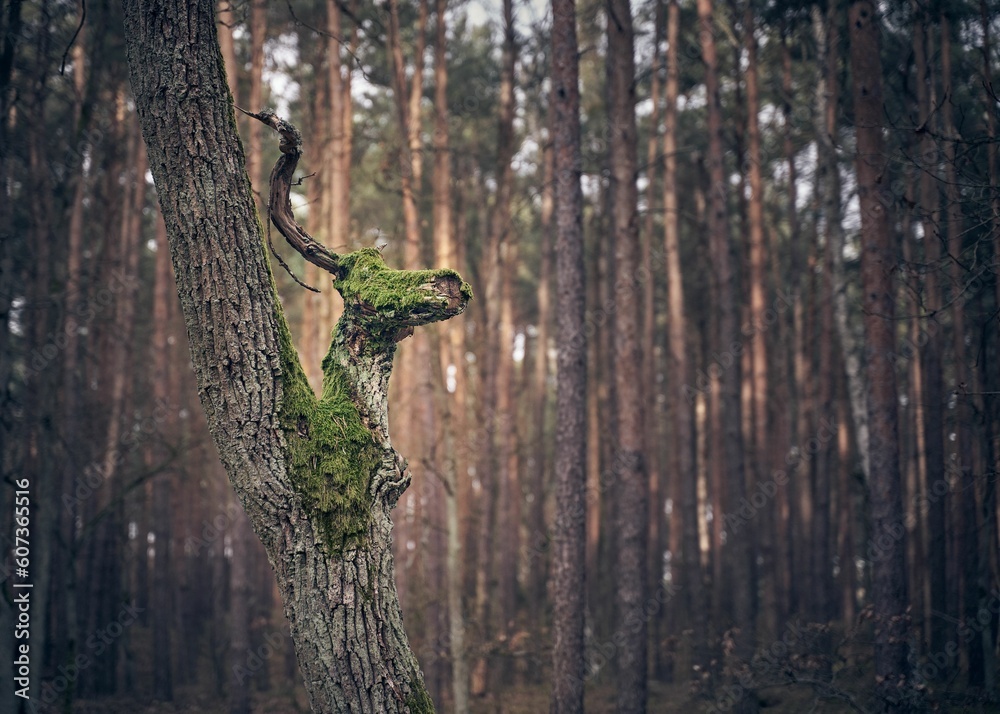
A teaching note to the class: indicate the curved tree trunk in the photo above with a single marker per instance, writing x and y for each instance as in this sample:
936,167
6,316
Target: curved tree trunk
317,477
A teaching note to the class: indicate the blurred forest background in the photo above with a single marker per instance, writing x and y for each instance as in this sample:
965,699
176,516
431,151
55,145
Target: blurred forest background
756,442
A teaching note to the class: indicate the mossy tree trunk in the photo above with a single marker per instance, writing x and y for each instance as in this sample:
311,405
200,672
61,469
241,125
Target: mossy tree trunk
317,477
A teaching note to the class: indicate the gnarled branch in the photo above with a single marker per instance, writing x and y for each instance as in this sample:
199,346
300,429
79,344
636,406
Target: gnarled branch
386,301
279,202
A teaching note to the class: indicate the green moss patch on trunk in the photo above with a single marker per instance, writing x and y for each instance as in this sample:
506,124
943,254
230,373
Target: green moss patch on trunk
332,455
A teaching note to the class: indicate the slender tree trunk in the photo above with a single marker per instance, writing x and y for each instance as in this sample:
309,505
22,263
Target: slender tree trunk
687,559
761,432
540,552
932,404
827,130
448,346
226,20
506,434
409,178
975,571
258,33
827,133
416,94
651,441
628,458
569,552
161,601
878,259
991,374
740,549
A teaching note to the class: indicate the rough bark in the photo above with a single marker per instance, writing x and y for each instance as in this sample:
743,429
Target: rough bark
568,552
317,478
628,463
878,261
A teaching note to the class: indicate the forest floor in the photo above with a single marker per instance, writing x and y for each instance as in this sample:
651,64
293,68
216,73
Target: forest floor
663,699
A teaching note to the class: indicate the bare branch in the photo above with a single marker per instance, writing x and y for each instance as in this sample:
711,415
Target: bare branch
279,205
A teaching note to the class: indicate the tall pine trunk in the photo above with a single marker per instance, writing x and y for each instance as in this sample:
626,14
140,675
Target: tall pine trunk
628,462
739,548
569,547
878,261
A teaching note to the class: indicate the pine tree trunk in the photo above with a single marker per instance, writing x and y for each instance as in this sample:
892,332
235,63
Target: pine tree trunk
975,570
688,557
568,552
739,549
317,477
878,260
631,519
932,401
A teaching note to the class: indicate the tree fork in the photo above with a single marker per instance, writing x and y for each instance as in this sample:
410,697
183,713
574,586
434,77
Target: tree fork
317,477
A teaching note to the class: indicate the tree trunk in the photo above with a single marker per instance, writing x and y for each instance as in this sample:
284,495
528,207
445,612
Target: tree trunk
651,441
932,403
316,477
878,260
975,570
739,548
538,547
451,357
685,474
258,33
569,535
758,338
628,463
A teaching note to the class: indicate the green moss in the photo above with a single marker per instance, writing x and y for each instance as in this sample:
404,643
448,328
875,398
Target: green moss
366,278
419,701
332,455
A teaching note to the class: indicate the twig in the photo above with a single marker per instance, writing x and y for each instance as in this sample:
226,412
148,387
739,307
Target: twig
72,40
